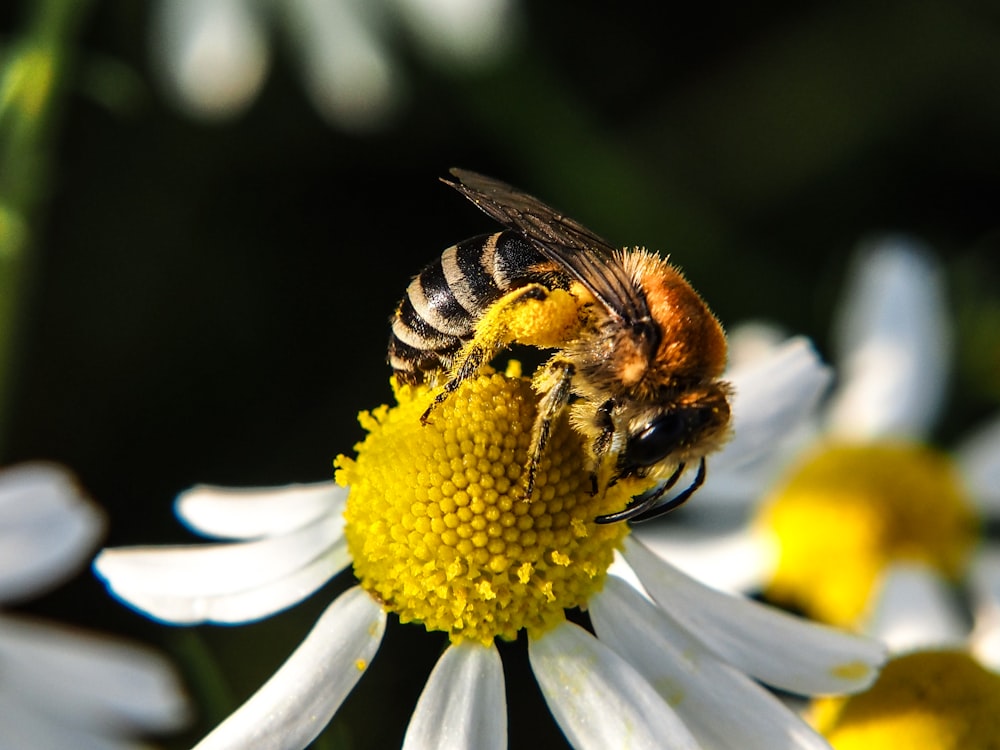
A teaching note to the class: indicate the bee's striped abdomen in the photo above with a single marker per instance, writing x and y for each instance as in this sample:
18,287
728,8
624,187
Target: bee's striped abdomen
447,298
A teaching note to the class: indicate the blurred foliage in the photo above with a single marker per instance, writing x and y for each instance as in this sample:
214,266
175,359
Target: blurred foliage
32,69
209,302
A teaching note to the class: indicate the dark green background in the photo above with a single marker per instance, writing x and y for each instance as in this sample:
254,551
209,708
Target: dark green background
210,302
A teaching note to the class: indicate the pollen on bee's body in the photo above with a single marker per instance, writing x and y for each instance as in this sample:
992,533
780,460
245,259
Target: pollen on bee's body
438,526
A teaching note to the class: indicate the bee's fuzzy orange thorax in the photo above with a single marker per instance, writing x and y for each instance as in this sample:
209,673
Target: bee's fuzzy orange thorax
693,345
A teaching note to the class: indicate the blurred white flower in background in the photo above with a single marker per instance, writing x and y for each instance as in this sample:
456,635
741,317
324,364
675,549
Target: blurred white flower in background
933,692
213,55
61,687
893,339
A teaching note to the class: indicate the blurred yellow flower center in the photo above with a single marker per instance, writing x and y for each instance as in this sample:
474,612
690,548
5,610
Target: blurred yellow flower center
848,511
940,700
438,526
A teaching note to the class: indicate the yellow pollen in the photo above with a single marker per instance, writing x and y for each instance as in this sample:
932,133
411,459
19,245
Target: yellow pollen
438,526
927,699
852,670
850,510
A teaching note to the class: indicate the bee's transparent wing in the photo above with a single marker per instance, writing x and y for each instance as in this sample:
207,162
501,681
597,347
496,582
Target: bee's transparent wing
585,256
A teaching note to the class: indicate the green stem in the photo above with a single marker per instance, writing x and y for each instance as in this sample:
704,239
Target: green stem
211,689
34,69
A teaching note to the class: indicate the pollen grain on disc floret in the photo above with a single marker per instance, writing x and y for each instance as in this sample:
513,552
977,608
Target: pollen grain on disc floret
438,525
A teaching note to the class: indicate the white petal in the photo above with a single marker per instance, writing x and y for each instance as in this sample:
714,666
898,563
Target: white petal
721,706
225,583
985,584
248,513
622,570
773,396
736,561
894,344
914,609
24,728
47,528
459,31
348,71
784,651
752,341
294,706
84,679
463,705
979,461
212,54
599,700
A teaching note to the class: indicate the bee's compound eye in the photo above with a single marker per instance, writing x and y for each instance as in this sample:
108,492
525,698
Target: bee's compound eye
658,440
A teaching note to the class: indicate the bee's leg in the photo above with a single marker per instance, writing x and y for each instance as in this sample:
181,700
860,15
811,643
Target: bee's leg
532,315
472,357
602,443
553,381
644,507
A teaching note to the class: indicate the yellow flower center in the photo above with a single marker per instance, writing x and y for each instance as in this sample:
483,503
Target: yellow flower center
438,525
928,699
850,510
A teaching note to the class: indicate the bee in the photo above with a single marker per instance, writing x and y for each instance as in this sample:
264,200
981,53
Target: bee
637,355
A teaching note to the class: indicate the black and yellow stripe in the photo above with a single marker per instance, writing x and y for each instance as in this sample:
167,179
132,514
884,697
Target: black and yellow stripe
447,298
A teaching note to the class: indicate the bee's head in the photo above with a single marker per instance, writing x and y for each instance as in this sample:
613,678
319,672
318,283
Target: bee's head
682,429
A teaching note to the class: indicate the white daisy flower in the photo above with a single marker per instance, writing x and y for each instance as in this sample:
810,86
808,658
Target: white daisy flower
862,491
214,55
933,693
431,520
60,687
